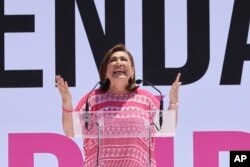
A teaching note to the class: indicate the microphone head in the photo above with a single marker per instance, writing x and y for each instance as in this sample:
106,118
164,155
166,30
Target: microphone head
102,83
138,81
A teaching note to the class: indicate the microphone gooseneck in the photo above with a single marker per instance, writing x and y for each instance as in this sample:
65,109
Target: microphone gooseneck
139,81
86,116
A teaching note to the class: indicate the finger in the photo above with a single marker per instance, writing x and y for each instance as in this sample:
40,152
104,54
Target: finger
66,84
60,84
57,80
177,84
177,79
61,81
58,77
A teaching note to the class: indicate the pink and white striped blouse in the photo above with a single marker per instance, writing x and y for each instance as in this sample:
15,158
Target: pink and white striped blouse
120,152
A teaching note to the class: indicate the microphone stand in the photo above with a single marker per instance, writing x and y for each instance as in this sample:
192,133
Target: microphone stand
86,121
98,135
138,81
149,145
86,116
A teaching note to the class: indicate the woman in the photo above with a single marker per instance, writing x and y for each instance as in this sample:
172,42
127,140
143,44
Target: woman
119,93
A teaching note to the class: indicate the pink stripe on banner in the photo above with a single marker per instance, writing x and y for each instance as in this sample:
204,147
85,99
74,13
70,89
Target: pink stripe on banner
23,146
164,152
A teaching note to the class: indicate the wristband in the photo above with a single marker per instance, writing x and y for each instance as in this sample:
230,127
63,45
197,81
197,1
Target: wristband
65,110
174,104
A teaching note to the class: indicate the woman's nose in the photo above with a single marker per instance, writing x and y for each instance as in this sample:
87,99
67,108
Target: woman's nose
118,62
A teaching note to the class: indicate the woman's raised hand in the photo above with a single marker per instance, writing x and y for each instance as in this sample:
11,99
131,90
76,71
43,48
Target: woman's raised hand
63,89
66,106
174,91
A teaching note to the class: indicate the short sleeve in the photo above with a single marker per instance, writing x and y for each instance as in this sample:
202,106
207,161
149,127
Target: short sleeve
81,104
153,100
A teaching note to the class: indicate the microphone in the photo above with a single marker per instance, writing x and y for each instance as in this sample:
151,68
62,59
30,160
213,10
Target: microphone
86,116
139,81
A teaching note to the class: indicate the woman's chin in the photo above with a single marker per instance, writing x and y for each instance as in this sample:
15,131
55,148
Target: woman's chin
119,78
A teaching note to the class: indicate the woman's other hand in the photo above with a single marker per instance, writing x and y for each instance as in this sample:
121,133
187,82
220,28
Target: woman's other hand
63,89
174,91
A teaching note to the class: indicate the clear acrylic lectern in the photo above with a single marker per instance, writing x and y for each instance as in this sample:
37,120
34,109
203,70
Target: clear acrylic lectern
124,124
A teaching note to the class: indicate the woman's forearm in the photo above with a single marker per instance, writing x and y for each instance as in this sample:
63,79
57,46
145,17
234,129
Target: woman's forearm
67,119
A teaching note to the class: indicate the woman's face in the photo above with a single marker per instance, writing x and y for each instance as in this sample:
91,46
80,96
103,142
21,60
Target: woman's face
119,66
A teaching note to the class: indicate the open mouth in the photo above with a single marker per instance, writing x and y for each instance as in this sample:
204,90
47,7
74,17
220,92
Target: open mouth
119,71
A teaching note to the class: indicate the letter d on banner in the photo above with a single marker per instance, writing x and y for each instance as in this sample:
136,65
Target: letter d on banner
23,146
208,144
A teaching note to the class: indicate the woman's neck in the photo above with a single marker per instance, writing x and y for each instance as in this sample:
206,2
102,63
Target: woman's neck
119,90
